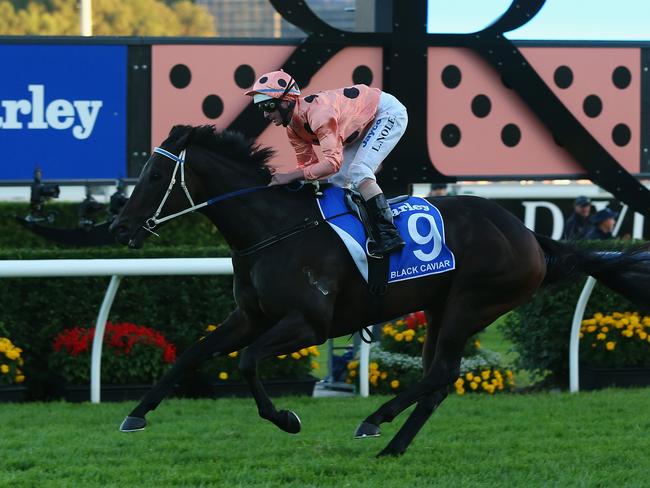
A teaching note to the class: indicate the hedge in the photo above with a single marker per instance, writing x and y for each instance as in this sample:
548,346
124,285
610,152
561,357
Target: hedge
36,309
193,229
540,328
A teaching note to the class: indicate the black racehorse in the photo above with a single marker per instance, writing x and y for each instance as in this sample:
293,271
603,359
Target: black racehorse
295,284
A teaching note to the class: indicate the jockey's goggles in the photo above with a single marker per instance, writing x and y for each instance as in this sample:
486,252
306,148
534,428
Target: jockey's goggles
268,105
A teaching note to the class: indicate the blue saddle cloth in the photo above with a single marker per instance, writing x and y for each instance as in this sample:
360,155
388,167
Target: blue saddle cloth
418,222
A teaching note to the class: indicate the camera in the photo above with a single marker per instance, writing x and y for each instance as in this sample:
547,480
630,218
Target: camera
118,200
39,193
88,210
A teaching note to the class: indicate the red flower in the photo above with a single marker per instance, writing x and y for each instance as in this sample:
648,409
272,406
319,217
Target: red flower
120,338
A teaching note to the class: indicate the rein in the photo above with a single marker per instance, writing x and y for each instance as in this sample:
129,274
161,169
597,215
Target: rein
151,223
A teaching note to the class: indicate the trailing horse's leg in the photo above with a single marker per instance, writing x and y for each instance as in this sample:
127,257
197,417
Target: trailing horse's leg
235,333
290,334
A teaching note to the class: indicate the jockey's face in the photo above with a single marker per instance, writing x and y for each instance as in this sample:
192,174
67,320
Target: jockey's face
276,116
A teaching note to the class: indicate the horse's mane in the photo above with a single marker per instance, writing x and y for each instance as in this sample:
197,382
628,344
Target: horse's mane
233,145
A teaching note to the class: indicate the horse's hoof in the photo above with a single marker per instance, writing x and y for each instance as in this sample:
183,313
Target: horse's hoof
133,424
290,422
367,430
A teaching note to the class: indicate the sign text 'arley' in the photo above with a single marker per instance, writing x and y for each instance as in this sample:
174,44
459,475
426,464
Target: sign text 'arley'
59,114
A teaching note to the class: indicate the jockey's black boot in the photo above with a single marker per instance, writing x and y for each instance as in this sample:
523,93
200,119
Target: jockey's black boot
384,232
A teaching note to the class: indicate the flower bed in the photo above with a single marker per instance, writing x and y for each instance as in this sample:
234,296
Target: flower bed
11,373
395,362
616,340
130,354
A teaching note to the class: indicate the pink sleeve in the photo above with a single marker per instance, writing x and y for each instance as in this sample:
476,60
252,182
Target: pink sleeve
332,149
305,154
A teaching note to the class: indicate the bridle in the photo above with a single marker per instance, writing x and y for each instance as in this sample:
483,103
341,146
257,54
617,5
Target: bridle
151,223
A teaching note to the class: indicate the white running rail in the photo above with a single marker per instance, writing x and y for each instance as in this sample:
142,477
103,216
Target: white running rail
116,269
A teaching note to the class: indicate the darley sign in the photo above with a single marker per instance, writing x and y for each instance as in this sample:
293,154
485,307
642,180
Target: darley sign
63,109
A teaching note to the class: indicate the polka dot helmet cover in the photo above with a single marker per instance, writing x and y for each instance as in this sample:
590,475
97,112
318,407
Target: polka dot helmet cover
273,85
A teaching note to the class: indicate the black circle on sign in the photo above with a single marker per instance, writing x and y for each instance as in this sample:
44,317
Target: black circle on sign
592,106
450,135
244,76
212,106
180,76
362,74
563,77
481,106
621,77
451,76
510,135
621,135
264,79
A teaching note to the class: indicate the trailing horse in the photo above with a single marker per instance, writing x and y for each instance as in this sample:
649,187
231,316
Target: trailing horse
296,285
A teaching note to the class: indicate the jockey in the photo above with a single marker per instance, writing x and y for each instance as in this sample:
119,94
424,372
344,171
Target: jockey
356,128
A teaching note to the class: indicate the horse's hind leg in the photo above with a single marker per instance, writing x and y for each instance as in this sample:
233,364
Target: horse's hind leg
290,334
426,405
235,333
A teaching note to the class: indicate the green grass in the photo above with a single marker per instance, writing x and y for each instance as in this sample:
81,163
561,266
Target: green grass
590,439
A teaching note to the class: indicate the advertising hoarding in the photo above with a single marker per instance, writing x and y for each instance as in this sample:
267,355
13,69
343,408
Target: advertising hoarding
63,109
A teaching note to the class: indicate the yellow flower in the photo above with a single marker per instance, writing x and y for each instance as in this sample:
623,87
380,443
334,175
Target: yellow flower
610,346
223,375
353,364
477,343
643,335
469,376
352,373
315,365
233,354
591,328
210,328
383,375
296,355
394,384
460,391
4,369
601,337
304,352
459,383
473,385
399,336
20,378
627,333
282,357
408,338
604,329
12,354
373,366
313,350
485,374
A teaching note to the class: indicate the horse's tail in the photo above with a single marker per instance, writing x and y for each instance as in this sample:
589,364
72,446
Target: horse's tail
626,272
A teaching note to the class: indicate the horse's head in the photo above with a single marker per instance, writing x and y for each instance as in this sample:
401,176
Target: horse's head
191,166
165,186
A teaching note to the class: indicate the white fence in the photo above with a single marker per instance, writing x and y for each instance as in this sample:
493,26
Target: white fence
116,269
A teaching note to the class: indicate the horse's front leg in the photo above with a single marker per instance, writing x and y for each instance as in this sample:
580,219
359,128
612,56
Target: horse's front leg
290,334
236,332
